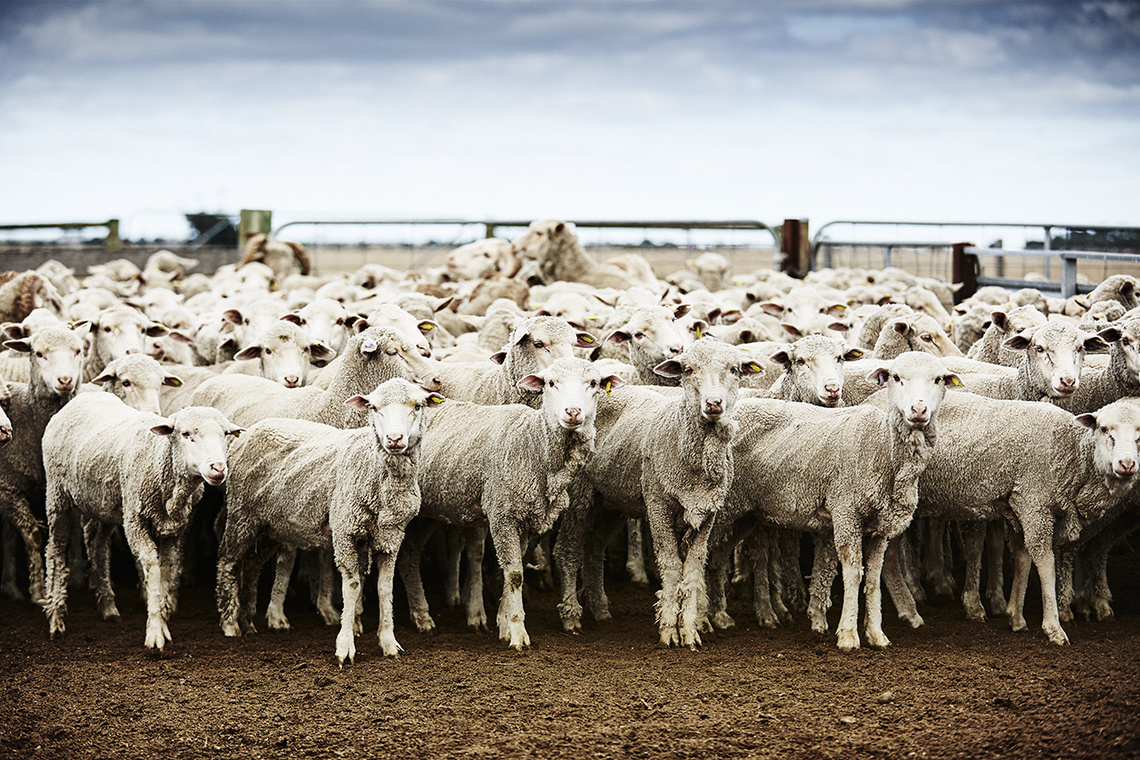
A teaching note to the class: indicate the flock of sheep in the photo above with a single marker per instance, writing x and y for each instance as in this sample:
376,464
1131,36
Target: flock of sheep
529,393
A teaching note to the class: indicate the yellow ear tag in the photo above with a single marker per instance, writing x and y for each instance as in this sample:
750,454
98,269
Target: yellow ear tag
699,336
609,385
437,399
587,339
755,367
956,382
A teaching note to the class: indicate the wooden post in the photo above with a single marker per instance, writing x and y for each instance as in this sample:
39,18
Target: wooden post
253,222
795,245
964,268
114,242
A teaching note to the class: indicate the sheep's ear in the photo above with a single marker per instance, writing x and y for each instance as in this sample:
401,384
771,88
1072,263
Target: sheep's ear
444,303
319,352
1099,343
156,330
14,330
172,380
498,357
852,354
585,340
434,399
249,352
713,314
669,368
782,357
105,377
879,376
1088,420
531,382
1018,342
746,336
618,336
837,309
427,326
233,316
1000,320
357,402
773,308
731,316
294,318
23,346
750,368
82,327
792,330
681,310
901,326
558,230
952,380
596,353
351,320
360,325
611,383
164,429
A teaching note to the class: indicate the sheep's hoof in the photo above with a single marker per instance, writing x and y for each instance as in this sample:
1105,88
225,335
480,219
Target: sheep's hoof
877,640
231,629
345,648
915,620
278,623
723,621
572,626
1056,635
669,638
848,641
56,627
1104,612
1066,615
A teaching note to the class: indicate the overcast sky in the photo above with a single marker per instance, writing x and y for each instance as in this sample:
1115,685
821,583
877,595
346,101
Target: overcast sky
880,109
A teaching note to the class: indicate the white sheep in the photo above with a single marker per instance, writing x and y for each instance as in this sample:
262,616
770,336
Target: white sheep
554,247
283,354
119,466
510,465
116,332
295,483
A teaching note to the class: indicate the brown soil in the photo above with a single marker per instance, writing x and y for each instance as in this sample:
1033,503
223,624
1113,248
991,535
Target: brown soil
950,689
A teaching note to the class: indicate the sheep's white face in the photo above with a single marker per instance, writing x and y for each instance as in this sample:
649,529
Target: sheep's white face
653,336
285,354
814,364
916,384
200,434
389,345
481,260
710,373
395,411
57,354
122,331
1056,352
536,243
415,330
137,379
570,389
1116,432
326,321
923,333
5,423
1129,346
548,339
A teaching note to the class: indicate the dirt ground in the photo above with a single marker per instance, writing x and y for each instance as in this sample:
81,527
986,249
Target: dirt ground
950,689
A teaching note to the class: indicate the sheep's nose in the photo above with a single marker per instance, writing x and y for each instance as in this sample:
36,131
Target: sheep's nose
292,381
65,383
425,352
217,472
132,350
1067,384
1126,466
432,383
676,350
714,407
394,442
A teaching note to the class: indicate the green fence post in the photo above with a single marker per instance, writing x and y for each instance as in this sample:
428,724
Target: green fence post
253,222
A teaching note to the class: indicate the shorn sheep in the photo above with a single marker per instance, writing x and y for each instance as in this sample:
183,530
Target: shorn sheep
119,466
511,466
295,483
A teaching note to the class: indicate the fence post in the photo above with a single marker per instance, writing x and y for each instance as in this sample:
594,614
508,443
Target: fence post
795,245
253,222
114,242
964,268
1068,277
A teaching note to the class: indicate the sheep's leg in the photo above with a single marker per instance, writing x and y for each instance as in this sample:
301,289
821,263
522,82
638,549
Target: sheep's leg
408,562
456,543
1040,548
995,555
791,578
635,553
510,543
59,514
97,539
694,604
908,563
76,559
974,535
539,554
822,578
325,575
348,562
474,545
607,526
233,581
1098,577
568,548
385,575
670,569
1067,560
168,555
937,557
18,510
896,583
851,562
777,568
146,553
756,549
716,575
8,586
1015,607
283,572
873,591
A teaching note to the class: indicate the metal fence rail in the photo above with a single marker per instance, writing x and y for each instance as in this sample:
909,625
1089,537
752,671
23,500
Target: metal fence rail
1068,286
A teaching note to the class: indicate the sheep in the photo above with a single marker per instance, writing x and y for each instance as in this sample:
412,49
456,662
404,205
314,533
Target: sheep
283,257
1118,287
295,483
913,332
116,332
56,360
120,466
482,260
554,246
813,370
373,356
711,269
652,336
969,323
137,380
1045,471
1098,387
1003,325
283,354
849,472
667,458
534,344
326,320
510,465
23,292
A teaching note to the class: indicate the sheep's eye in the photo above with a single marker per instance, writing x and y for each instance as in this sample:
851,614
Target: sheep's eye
927,338
1125,342
1104,429
593,383
185,433
267,351
39,355
106,329
126,383
801,361
418,406
539,344
392,352
938,381
1040,349
550,383
639,336
895,378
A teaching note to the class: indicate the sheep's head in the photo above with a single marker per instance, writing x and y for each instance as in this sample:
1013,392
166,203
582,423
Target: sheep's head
916,384
814,366
570,388
710,372
395,411
1115,430
198,435
57,356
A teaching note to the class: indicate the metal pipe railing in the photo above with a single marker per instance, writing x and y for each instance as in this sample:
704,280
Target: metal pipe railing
113,242
1068,285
